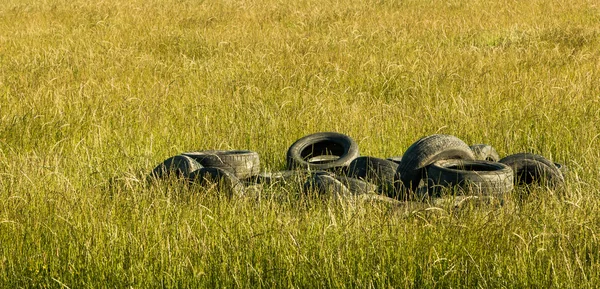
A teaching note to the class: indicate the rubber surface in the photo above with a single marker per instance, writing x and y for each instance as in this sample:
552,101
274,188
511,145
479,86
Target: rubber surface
322,151
180,166
325,184
375,170
531,168
282,177
424,152
471,177
242,163
225,180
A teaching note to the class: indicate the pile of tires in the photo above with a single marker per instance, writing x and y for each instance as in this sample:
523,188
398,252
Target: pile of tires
329,163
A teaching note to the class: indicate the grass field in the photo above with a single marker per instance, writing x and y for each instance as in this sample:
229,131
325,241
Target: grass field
94,94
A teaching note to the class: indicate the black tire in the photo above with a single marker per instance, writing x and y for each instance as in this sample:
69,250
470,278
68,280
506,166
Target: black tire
179,166
356,186
531,168
396,159
226,181
242,163
309,152
424,152
282,177
375,170
485,152
477,177
325,184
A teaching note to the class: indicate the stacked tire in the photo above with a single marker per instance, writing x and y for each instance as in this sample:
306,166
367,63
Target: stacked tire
329,163
223,168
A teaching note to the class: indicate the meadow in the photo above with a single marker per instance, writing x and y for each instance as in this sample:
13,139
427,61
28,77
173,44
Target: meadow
95,94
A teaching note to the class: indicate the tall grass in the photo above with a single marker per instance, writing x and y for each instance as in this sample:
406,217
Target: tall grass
94,94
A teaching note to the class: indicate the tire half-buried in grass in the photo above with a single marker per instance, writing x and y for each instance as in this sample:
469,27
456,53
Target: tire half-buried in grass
322,151
531,168
471,177
328,185
242,163
180,166
225,181
378,171
282,177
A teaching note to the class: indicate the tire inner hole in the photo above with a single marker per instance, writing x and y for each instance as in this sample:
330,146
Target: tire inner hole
322,152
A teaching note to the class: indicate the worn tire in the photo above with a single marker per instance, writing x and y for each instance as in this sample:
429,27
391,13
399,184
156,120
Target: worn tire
478,177
356,186
485,152
325,184
396,159
281,177
375,170
226,181
242,163
310,152
179,166
424,152
531,168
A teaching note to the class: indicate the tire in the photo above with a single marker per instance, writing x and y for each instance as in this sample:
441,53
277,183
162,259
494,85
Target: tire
322,151
530,168
375,170
356,186
281,177
325,184
242,163
179,166
424,152
485,152
396,159
226,181
478,177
